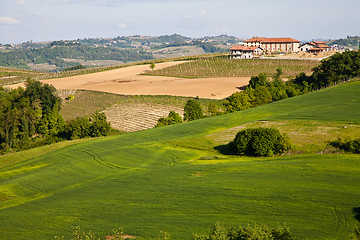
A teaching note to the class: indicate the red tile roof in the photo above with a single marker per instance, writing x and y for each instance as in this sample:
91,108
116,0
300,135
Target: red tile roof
316,49
234,48
280,40
255,39
243,48
317,44
272,40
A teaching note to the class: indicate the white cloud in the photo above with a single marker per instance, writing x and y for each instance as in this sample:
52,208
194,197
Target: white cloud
186,16
20,2
8,20
122,25
202,13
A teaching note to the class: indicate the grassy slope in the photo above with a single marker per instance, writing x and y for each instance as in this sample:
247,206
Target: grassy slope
146,181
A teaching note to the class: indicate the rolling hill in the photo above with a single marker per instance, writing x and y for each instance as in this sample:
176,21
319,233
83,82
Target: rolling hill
180,179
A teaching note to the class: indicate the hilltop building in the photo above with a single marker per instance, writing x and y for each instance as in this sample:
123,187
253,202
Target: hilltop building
274,45
314,47
239,52
256,46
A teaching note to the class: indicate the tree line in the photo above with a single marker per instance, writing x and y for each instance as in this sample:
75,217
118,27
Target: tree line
30,118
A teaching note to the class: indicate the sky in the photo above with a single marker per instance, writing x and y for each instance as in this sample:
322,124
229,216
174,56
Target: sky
50,20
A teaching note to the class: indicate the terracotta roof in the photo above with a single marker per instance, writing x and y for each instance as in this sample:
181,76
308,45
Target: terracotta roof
280,40
318,42
237,48
316,49
242,48
255,39
308,43
272,40
323,46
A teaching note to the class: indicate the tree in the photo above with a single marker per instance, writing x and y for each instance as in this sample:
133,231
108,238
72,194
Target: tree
260,142
260,96
259,80
192,110
214,109
152,66
172,118
278,74
238,101
99,125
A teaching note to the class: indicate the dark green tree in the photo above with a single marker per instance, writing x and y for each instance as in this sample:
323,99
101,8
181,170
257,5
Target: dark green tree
258,81
99,125
260,142
172,118
192,110
238,101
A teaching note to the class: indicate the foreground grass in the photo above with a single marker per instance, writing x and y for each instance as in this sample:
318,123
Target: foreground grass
172,179
223,67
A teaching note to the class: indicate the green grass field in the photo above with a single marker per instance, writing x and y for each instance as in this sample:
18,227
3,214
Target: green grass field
176,178
223,67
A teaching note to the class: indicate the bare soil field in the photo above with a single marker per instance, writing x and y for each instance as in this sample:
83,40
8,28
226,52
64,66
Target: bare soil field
128,81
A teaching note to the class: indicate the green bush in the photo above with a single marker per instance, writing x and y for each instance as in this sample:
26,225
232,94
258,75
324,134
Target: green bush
94,126
192,110
347,145
214,109
260,142
172,118
256,232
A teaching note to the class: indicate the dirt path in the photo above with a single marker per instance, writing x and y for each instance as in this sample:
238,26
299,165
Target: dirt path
127,81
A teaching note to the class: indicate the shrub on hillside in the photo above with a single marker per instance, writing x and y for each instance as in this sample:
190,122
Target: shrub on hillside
347,145
172,118
192,110
219,232
214,109
94,126
260,142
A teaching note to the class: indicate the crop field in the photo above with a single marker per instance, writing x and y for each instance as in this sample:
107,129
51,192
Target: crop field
7,75
125,113
179,178
12,75
223,67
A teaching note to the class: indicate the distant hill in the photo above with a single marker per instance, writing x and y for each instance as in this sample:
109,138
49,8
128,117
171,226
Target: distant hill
58,55
348,42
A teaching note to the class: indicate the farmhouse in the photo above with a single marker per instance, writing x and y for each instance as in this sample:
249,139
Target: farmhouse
238,52
274,45
314,47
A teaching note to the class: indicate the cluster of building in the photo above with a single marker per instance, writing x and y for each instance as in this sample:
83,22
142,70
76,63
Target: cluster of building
257,46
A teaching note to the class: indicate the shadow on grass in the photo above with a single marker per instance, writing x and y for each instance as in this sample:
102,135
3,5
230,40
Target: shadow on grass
357,213
226,149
